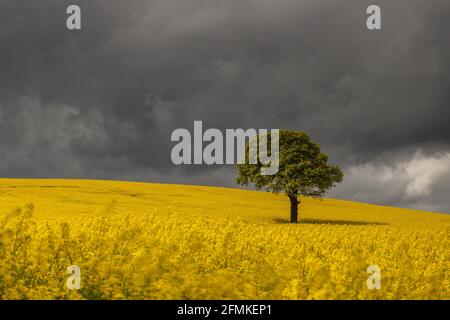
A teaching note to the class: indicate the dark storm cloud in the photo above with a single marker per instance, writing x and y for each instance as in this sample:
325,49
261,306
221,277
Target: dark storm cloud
101,103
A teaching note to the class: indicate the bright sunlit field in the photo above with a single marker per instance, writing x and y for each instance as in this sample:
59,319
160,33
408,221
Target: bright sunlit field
156,241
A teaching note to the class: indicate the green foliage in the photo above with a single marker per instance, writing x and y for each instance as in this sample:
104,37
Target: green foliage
303,168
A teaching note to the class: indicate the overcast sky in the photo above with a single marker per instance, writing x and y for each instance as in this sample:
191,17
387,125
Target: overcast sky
102,102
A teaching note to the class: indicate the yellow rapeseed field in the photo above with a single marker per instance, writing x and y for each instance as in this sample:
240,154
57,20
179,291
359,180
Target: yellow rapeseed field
156,241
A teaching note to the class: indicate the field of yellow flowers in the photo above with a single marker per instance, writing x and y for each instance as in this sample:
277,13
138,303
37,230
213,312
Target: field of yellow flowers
156,241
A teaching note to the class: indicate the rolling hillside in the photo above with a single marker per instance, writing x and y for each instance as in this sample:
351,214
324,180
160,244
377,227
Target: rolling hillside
160,241
69,198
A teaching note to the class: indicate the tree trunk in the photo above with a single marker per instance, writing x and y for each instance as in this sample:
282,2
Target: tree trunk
294,209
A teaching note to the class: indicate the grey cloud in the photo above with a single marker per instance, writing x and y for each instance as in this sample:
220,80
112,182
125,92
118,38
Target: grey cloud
419,182
101,103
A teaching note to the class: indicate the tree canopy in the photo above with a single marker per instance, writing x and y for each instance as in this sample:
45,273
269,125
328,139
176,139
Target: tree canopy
303,169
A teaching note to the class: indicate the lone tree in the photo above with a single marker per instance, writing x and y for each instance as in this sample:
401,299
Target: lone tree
303,170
